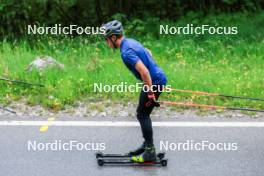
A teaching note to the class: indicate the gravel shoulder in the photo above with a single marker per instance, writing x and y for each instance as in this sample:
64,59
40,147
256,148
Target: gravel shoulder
108,110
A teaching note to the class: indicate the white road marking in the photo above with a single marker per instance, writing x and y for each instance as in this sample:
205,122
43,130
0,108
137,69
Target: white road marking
130,124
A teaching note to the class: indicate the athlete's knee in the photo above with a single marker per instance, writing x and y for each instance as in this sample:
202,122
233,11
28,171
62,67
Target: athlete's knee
141,116
140,112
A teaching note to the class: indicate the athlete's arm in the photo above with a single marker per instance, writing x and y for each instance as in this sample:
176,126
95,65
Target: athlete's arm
144,73
145,76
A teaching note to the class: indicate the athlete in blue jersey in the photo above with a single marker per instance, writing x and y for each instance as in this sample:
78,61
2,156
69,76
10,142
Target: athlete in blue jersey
140,62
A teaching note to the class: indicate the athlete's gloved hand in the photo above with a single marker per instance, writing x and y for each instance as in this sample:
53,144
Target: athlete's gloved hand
152,100
151,96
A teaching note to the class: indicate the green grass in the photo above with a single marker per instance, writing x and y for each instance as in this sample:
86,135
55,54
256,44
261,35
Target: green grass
230,65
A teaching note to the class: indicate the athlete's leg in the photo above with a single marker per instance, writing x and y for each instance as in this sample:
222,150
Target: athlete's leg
145,124
143,116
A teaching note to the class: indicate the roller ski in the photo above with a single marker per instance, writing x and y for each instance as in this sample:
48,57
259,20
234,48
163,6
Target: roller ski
117,159
146,157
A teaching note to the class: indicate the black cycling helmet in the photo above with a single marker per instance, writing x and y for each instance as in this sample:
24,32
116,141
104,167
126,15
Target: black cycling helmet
112,27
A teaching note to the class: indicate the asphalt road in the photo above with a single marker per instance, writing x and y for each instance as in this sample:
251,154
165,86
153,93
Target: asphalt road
17,158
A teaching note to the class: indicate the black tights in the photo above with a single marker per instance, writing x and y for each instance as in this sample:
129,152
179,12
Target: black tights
143,116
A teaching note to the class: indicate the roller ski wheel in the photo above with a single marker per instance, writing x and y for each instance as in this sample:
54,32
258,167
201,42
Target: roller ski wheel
164,162
100,162
161,155
99,155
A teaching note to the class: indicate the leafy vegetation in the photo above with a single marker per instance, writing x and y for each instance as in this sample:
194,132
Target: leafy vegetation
225,64
15,15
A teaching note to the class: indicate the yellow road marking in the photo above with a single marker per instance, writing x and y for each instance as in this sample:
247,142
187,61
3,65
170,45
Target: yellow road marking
45,128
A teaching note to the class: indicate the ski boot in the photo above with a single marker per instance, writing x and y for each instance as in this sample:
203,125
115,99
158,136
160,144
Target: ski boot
149,155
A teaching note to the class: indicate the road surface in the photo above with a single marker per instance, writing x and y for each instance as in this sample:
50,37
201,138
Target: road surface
20,158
